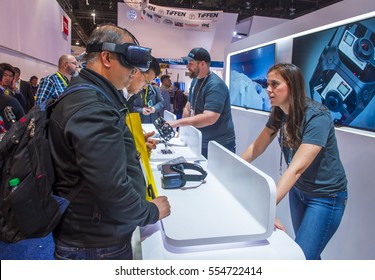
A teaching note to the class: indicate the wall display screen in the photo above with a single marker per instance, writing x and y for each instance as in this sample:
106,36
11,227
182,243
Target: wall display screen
339,70
248,77
181,87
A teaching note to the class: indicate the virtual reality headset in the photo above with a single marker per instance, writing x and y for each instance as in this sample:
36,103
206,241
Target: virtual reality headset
174,177
131,55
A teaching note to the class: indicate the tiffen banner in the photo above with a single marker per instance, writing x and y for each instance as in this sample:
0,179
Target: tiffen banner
184,14
199,25
179,18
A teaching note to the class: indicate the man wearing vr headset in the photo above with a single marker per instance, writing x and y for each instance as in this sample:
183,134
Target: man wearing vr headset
93,149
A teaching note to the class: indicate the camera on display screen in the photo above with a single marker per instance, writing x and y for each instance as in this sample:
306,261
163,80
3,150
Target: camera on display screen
345,75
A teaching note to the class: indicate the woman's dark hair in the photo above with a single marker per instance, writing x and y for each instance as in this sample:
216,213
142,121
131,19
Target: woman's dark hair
297,103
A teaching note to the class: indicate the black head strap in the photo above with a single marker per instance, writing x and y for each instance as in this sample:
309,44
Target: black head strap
180,168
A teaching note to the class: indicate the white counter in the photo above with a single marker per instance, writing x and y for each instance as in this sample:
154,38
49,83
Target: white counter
279,246
229,217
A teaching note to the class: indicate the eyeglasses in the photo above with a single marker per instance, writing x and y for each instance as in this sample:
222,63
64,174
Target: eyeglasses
73,62
147,81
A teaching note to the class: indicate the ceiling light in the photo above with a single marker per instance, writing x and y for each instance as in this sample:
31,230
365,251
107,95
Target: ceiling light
93,16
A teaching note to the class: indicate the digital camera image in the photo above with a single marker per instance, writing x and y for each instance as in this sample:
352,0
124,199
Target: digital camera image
339,70
248,78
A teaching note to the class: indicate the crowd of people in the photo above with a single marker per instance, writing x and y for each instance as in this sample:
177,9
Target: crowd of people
16,96
100,222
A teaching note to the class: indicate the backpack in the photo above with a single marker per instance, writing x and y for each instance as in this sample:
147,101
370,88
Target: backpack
28,207
2,128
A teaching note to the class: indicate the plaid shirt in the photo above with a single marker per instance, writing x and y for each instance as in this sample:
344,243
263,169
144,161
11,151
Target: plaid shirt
51,87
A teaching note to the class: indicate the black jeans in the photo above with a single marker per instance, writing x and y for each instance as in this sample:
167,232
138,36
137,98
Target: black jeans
117,252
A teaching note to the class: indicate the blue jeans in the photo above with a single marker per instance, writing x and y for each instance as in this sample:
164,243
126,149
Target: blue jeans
231,147
315,220
117,252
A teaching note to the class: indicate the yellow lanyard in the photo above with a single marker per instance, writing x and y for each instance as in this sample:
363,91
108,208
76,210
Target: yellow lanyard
7,91
61,78
145,97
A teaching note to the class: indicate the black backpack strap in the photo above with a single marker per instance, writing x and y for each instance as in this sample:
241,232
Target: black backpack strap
76,87
86,86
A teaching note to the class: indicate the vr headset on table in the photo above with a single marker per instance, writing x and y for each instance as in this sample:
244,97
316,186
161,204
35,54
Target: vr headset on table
174,177
131,55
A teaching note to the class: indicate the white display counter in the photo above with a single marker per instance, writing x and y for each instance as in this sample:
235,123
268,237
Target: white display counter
279,246
230,216
188,144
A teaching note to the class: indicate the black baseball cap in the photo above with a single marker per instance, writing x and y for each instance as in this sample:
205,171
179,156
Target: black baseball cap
199,54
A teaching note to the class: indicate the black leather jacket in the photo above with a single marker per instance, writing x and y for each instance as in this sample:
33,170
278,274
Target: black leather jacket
92,147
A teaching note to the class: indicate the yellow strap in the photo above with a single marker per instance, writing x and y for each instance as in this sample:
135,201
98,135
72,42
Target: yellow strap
61,78
133,120
145,97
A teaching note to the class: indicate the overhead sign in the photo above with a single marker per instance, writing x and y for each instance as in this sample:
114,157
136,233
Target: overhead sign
198,20
185,14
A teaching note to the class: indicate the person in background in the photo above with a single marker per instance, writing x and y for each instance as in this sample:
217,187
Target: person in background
315,178
166,84
10,109
93,149
8,84
209,109
148,102
53,85
25,88
179,101
34,85
139,81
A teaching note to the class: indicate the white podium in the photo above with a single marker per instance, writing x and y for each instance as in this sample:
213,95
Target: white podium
231,216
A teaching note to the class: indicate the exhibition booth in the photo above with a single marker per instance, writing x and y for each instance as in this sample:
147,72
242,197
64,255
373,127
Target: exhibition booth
334,48
221,211
231,215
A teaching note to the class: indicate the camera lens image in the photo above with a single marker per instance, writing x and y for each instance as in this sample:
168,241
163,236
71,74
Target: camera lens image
339,70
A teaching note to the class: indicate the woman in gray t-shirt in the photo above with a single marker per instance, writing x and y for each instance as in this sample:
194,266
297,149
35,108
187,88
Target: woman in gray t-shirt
315,178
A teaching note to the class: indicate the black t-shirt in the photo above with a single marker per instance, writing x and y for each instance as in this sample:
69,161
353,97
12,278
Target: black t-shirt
212,94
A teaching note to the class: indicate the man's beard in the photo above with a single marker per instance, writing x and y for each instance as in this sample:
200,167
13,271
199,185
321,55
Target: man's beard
74,74
193,74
